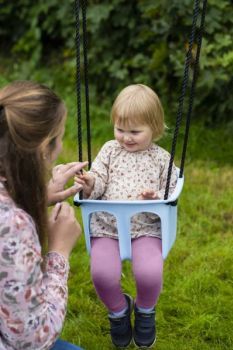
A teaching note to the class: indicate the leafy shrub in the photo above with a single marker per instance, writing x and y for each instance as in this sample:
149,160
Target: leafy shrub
129,41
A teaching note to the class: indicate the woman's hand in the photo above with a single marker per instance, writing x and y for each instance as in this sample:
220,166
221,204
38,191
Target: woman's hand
64,229
148,195
61,174
86,181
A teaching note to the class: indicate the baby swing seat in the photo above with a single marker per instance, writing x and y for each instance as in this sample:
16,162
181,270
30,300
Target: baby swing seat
124,210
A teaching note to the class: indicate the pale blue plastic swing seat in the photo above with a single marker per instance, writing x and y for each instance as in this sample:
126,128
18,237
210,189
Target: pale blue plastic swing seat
124,210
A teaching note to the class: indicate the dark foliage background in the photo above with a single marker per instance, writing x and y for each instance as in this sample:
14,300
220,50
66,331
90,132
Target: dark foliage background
129,41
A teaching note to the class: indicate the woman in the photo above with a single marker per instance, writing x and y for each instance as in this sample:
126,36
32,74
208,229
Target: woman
33,299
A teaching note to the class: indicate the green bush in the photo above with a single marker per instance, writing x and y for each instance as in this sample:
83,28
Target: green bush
129,41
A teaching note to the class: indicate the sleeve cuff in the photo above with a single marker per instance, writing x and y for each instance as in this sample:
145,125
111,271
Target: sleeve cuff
57,264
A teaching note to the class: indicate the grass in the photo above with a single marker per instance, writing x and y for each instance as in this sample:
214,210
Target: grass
196,305
195,308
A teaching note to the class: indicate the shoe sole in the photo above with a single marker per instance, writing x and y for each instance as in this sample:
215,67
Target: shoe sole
123,347
144,346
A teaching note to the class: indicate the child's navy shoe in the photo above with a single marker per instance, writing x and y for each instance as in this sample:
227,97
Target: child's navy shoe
120,327
144,333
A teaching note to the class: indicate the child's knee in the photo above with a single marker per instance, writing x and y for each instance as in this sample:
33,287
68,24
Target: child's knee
103,275
149,277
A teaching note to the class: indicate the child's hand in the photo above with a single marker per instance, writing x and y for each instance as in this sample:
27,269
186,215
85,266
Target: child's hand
148,194
86,181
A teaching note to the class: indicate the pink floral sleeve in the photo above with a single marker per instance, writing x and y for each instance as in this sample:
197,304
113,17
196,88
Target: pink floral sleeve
33,303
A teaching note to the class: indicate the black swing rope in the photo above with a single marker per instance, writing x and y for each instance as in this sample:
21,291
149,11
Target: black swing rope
78,82
192,90
78,79
188,60
88,122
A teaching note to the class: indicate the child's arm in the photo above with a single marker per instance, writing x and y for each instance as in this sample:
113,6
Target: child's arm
163,179
150,194
94,182
87,183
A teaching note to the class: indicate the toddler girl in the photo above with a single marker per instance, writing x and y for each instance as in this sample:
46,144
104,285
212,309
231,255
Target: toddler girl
130,167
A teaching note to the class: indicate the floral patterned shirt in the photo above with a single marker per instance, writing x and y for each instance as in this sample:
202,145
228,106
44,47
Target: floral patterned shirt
123,175
33,303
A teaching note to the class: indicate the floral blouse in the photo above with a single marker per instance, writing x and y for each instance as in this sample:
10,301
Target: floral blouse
123,175
33,303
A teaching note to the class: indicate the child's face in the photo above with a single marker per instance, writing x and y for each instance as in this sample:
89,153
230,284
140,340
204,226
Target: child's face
134,137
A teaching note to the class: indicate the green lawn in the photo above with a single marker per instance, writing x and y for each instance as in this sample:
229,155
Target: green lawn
196,306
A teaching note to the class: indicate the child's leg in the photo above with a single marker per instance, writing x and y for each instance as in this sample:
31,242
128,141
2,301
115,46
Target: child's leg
106,272
147,265
106,275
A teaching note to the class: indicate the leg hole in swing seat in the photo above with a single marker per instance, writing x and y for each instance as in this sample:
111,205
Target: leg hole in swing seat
103,223
145,223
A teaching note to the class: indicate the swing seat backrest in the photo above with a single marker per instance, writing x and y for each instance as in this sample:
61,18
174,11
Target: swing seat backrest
124,210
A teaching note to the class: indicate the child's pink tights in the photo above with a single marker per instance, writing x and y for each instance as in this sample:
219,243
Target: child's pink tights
147,265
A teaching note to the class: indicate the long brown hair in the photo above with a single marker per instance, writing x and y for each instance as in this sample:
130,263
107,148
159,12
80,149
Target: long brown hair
30,115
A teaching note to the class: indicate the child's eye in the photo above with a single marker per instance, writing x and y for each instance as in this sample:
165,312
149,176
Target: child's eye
120,130
135,132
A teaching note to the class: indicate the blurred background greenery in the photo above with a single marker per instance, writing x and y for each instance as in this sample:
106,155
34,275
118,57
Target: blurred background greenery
145,41
129,41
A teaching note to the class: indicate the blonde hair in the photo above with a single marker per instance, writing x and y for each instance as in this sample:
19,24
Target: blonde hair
139,104
30,116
